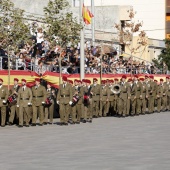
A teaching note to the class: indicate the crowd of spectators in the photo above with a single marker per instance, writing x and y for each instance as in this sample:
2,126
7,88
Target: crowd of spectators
40,55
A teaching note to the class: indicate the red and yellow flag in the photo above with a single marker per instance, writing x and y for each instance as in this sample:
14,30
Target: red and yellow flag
87,15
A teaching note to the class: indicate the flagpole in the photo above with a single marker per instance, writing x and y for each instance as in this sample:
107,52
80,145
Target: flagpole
81,42
93,23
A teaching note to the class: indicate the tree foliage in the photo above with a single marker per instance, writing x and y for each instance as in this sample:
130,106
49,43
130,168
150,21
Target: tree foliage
61,23
164,57
13,26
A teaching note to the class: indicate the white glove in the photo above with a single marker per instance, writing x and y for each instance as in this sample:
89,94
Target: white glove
57,102
43,102
17,105
70,102
29,103
4,101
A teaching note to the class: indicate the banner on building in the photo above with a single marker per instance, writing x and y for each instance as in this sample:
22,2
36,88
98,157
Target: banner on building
53,78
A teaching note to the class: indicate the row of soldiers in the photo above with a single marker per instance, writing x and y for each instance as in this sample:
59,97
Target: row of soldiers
26,104
81,101
127,97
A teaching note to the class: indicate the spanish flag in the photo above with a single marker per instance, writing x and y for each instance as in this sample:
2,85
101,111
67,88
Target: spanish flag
87,15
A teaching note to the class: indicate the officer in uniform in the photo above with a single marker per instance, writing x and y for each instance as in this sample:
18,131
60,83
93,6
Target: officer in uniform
111,102
139,92
76,108
95,92
3,102
64,99
123,97
152,95
133,94
144,95
13,107
167,96
83,86
164,91
87,102
116,97
71,114
23,102
128,107
149,97
159,95
39,96
49,108
104,98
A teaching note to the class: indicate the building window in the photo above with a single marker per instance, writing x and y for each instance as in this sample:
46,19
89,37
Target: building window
168,3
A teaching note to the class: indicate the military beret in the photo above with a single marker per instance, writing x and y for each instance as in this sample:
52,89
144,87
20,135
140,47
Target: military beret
95,79
129,80
15,79
124,76
37,79
70,81
142,79
23,80
151,77
64,78
88,81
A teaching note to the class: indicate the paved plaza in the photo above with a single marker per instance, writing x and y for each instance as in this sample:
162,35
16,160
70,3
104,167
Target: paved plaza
133,143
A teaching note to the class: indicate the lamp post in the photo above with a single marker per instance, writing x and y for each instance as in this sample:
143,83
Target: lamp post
93,22
9,71
81,43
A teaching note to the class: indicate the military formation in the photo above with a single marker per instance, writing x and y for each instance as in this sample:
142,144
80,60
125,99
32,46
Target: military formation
81,101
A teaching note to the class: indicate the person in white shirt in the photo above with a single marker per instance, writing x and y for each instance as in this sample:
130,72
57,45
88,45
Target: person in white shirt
40,35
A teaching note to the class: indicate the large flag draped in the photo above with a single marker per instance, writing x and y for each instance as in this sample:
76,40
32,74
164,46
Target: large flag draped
87,15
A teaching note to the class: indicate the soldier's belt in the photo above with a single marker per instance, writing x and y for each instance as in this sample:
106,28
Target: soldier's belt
104,95
2,98
96,94
24,98
124,92
65,95
111,94
37,96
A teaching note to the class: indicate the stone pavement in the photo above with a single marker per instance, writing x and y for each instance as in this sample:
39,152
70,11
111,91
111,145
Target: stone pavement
133,143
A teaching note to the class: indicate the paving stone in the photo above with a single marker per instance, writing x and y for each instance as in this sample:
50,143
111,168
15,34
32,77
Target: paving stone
133,143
